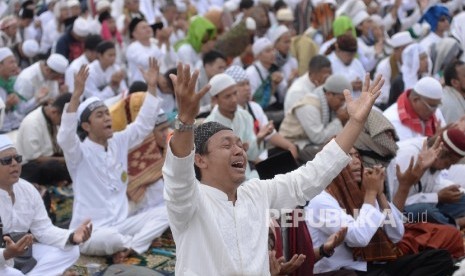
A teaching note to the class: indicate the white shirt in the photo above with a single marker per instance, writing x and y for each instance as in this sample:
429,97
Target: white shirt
50,36
11,119
324,217
384,69
404,132
28,84
28,214
255,80
431,183
299,88
100,177
188,55
429,40
453,105
72,69
98,82
33,140
233,239
352,71
367,55
138,55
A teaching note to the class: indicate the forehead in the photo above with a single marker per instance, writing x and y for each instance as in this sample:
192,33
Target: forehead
100,109
7,152
228,91
222,136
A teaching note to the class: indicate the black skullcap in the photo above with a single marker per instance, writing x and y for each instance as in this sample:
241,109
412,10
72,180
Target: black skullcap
104,16
133,24
104,46
203,132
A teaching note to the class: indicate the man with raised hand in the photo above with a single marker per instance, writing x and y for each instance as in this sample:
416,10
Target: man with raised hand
220,224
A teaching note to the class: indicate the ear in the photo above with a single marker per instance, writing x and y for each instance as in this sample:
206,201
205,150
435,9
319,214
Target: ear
86,126
200,161
455,83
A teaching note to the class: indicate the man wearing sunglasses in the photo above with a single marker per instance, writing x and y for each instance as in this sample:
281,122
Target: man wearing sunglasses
24,224
41,82
416,113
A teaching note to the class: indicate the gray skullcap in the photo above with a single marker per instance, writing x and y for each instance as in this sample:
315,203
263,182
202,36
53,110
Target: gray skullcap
337,84
237,73
203,132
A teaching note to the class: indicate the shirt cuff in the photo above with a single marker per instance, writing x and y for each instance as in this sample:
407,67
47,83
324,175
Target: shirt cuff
4,262
178,166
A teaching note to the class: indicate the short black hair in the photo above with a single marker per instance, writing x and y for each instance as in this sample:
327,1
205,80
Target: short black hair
280,4
104,46
211,56
167,74
61,100
138,86
246,4
317,63
450,72
91,42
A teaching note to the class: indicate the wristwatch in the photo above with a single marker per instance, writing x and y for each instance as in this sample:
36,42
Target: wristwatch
180,126
324,253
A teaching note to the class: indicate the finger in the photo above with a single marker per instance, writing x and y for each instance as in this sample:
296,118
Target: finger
193,81
174,79
348,96
366,84
436,144
8,241
410,165
186,75
179,74
203,91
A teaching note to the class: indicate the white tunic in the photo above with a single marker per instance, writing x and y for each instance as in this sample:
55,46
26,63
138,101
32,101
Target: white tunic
33,140
351,72
28,84
72,69
28,214
98,82
299,88
453,105
429,40
384,69
324,217
99,176
11,119
431,183
404,132
232,239
255,80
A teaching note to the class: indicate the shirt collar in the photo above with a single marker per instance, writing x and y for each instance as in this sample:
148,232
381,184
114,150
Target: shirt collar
214,192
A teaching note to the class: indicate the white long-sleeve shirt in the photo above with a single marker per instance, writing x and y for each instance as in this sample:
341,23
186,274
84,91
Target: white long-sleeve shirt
215,237
426,190
100,176
99,80
72,69
28,84
28,214
299,88
324,217
352,71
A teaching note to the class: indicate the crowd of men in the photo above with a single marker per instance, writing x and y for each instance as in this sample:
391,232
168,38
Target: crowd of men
169,114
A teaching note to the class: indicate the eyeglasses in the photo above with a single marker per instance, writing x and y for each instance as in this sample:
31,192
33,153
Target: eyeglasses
430,107
6,161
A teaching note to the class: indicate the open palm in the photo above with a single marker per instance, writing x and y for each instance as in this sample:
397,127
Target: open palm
360,108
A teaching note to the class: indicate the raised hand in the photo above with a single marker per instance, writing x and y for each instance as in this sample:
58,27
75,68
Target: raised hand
13,249
359,109
83,232
275,266
151,74
187,99
373,179
80,79
292,265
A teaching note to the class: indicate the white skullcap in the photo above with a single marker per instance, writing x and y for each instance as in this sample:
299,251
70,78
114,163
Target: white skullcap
30,48
81,27
91,104
400,39
377,19
73,3
351,8
57,63
429,87
237,73
360,17
102,5
260,44
4,53
219,83
285,14
250,24
276,33
5,142
181,6
47,2
231,6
